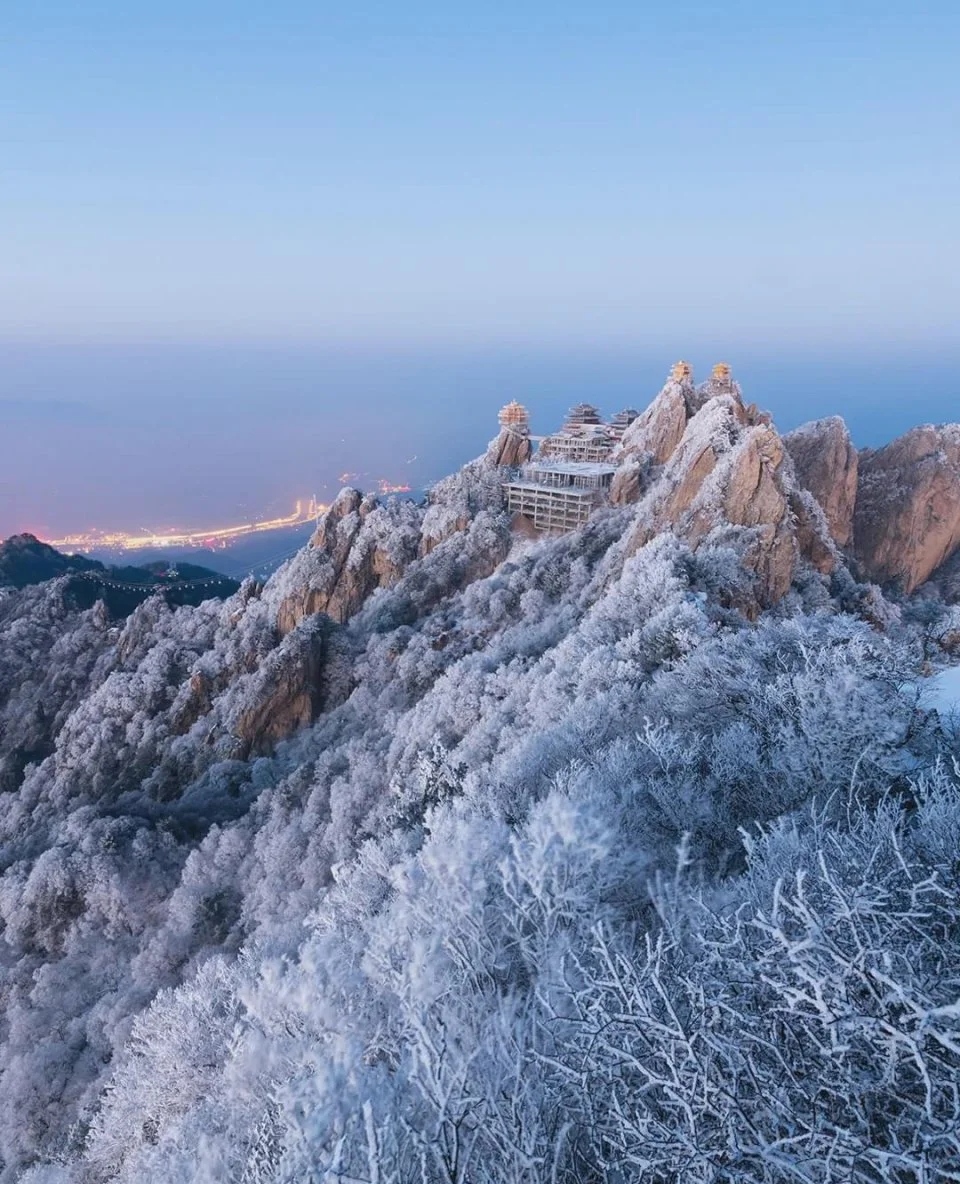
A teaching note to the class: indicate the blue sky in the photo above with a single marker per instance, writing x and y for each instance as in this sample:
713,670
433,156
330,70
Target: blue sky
531,172
247,246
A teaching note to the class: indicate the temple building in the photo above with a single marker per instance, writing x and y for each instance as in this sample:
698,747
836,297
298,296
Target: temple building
581,418
590,447
570,476
573,470
515,417
621,421
558,495
721,378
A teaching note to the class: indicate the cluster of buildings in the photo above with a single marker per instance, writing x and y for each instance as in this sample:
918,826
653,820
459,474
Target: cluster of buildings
571,473
573,469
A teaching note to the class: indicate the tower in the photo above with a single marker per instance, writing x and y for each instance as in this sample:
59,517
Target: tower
582,418
621,421
681,372
515,418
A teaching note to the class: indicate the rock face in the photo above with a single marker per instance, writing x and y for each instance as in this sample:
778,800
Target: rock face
288,691
510,449
897,507
699,460
907,516
714,470
659,430
698,463
358,546
654,437
627,482
826,463
732,479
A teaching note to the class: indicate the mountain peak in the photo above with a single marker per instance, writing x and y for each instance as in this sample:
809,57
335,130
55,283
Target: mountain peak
25,560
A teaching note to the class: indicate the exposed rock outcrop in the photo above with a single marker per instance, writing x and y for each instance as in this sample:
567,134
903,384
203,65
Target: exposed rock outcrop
510,449
727,473
287,692
653,438
627,482
358,546
907,516
722,383
944,584
658,431
826,464
702,465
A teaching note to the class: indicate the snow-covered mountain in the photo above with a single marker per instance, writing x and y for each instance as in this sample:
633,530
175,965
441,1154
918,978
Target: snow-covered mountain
451,854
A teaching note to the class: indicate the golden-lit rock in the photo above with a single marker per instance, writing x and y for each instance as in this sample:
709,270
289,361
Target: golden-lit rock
344,563
729,476
659,430
511,449
907,517
827,465
286,695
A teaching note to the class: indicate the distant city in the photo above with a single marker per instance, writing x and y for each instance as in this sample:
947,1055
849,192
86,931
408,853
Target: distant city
210,537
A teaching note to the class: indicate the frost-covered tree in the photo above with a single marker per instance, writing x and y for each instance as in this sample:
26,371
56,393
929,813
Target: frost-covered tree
430,930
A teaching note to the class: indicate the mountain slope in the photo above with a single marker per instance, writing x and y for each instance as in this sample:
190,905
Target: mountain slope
25,560
355,873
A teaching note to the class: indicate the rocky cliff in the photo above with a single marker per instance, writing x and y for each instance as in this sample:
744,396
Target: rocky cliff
510,449
907,517
809,496
894,510
731,479
827,465
657,432
699,464
705,465
359,545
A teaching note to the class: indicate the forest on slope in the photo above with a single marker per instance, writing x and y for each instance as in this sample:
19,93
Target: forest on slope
454,855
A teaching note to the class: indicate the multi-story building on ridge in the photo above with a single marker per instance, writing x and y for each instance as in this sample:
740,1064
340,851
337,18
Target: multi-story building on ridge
573,470
558,495
570,476
590,447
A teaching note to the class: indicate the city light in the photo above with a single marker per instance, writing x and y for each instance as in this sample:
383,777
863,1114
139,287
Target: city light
208,537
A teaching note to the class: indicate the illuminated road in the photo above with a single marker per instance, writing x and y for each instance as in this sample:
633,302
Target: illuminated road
100,540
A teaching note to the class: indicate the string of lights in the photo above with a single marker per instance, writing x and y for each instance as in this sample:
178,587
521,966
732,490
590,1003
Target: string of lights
161,585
